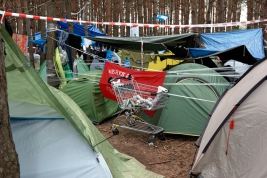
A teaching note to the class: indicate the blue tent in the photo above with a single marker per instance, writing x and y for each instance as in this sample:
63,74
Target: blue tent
79,29
215,42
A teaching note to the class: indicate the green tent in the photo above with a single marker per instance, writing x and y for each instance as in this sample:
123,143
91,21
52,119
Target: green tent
193,89
42,71
81,66
85,91
25,85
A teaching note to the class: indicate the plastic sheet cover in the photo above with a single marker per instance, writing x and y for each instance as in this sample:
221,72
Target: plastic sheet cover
252,39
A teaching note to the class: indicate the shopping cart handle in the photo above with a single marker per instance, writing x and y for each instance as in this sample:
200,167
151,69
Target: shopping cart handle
129,77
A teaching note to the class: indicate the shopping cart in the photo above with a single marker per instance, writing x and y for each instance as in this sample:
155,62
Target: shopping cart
132,97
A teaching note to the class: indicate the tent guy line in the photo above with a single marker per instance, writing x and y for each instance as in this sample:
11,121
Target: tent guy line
36,17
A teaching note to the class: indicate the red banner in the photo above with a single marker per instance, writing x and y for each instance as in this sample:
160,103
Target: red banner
144,77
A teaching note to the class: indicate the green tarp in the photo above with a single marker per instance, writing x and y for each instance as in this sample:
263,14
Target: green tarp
194,90
150,44
85,91
25,85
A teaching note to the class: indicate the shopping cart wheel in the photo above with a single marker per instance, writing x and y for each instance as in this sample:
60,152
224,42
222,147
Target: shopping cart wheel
115,132
151,139
161,136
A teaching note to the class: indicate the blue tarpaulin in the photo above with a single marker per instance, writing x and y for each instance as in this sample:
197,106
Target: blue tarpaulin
38,40
252,39
79,29
196,52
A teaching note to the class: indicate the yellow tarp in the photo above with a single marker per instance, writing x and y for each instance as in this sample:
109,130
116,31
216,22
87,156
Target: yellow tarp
157,64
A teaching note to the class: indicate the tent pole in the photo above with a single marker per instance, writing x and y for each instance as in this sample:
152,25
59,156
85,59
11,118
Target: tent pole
142,55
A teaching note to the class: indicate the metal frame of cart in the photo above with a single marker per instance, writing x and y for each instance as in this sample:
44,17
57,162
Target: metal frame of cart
132,97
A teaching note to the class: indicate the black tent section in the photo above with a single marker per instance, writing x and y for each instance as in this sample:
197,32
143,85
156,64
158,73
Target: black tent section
150,44
239,53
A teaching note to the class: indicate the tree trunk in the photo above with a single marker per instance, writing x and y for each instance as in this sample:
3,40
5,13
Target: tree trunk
257,13
194,14
229,14
223,13
20,20
9,164
183,14
127,17
145,17
115,17
171,16
43,12
122,16
209,15
155,12
161,11
108,17
250,12
234,9
186,16
238,11
51,45
28,33
176,15
140,16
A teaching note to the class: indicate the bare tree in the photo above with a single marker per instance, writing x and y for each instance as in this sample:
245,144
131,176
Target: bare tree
140,16
9,164
250,12
257,12
194,13
229,14
155,16
115,16
145,3
108,17
176,15
28,33
42,12
209,15
18,4
127,17
122,7
51,45
171,4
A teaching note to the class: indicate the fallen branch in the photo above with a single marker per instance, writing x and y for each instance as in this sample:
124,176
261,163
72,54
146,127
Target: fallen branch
161,162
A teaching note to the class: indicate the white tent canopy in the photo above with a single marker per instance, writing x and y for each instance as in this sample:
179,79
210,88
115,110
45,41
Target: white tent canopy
241,150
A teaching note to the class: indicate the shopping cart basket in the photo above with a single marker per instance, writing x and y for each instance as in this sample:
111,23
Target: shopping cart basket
132,97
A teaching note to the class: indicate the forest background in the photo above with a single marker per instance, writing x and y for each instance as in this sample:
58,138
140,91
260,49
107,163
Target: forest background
179,12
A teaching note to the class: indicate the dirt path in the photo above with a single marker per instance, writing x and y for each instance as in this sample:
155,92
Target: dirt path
171,158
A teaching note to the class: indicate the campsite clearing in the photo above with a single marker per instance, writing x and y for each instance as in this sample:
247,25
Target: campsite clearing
171,158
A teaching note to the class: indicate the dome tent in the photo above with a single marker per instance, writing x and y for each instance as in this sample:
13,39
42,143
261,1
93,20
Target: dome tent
193,90
85,91
233,143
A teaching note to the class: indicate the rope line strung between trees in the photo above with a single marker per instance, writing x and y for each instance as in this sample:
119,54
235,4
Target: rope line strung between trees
36,17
